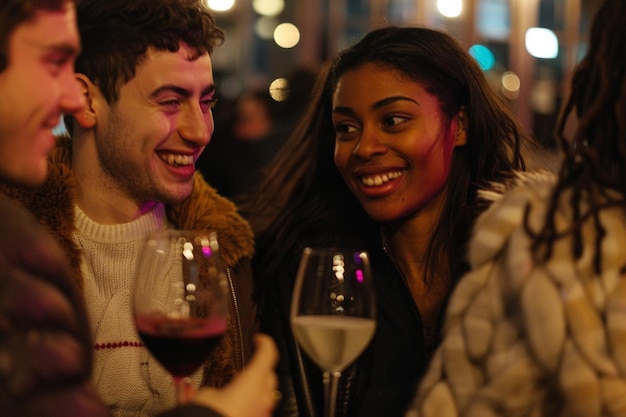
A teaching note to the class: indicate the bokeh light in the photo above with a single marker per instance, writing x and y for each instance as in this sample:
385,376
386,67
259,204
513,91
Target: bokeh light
286,35
264,27
279,89
268,7
220,5
510,85
542,97
483,55
542,43
450,8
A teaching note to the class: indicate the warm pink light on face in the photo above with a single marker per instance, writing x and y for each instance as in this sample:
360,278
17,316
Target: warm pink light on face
393,145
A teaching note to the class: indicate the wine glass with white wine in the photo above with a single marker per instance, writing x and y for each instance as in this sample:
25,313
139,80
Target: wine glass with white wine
333,311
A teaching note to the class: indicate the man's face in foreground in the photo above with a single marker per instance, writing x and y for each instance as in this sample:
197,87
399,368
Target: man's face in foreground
38,85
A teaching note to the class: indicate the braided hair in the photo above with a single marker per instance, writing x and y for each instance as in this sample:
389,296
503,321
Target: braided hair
595,158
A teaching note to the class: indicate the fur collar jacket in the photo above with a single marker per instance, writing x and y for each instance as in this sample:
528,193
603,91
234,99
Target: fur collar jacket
527,336
53,204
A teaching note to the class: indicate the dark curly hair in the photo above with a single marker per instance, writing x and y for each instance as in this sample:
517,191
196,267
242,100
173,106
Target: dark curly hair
116,34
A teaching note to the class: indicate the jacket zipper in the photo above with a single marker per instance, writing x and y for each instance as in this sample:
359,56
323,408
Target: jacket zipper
239,351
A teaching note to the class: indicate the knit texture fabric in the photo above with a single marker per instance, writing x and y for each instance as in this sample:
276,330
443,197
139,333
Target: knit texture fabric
129,380
528,337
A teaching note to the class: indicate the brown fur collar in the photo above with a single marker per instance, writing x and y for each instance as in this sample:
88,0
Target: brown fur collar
53,204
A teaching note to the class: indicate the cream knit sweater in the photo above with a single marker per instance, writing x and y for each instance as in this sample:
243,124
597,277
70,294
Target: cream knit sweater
128,379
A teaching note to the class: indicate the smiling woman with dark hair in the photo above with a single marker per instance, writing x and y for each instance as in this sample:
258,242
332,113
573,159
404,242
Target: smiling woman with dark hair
402,132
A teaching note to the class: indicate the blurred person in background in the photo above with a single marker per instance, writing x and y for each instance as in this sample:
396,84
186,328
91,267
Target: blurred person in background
234,160
237,158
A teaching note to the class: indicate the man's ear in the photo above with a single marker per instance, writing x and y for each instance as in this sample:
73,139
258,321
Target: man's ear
461,128
86,117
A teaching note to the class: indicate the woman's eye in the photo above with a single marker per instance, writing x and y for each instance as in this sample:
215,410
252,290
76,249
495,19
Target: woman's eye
393,120
344,128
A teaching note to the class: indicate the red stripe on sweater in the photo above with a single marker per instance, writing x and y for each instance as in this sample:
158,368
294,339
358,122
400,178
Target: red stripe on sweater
115,345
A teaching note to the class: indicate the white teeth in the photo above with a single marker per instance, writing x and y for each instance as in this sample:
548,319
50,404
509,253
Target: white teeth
377,180
176,160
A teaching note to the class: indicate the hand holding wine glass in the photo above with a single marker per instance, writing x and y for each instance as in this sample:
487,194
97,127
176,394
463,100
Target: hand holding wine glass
252,393
333,311
180,301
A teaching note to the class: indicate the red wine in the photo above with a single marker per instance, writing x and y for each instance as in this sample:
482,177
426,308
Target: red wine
180,345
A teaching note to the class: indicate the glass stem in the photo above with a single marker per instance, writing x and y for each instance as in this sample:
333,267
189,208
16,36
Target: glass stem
184,390
331,384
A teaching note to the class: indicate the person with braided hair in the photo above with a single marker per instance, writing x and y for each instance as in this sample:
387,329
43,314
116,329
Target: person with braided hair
536,327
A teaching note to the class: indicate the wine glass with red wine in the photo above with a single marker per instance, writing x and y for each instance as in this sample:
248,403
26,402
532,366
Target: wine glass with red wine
180,301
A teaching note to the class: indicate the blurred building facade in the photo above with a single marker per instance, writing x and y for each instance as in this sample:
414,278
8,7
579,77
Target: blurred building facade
498,33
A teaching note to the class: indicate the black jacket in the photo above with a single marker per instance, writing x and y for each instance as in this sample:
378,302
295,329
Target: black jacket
382,381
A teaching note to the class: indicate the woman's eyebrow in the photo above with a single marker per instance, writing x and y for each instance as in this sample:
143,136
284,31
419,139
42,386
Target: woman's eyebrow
377,105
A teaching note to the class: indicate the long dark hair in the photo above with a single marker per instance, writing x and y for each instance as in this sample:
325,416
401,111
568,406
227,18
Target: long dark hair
304,194
594,161
303,199
493,149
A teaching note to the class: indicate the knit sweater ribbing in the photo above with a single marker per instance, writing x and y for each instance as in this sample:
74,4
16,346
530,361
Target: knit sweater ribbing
110,253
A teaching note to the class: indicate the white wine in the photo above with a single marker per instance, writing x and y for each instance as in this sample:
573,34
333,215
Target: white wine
333,342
